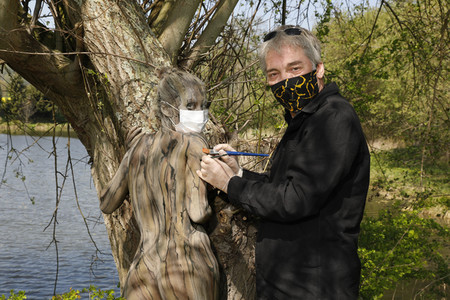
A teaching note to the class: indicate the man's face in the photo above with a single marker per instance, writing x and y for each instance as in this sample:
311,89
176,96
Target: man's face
289,62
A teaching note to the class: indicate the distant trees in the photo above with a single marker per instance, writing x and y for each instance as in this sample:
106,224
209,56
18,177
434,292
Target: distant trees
392,62
23,102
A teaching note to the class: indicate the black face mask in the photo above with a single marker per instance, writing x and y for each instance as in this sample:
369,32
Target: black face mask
294,93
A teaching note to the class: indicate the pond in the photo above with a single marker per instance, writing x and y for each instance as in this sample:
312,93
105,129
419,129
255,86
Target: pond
28,256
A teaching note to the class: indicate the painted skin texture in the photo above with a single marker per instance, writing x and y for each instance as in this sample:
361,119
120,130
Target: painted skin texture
174,259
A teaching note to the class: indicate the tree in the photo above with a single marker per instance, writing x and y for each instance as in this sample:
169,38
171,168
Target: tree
24,101
19,105
98,66
390,60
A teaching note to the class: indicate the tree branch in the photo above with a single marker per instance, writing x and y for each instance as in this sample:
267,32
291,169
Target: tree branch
211,32
159,15
177,25
55,73
36,13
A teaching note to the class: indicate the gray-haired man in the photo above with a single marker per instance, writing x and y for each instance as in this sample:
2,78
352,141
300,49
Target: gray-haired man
311,202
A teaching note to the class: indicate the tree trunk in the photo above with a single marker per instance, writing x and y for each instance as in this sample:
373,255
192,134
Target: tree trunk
131,82
105,94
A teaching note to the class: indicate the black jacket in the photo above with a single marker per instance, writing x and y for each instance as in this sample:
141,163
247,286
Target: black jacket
311,204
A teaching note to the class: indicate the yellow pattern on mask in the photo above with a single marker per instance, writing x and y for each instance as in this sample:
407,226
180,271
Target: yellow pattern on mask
295,93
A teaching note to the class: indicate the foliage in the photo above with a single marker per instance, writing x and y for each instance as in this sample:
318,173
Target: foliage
25,103
400,244
391,62
93,293
11,106
13,296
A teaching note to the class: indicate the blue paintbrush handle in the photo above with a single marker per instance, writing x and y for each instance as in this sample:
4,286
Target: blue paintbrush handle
245,153
216,154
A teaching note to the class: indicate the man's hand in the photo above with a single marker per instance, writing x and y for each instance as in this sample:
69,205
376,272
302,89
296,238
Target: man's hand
215,172
231,161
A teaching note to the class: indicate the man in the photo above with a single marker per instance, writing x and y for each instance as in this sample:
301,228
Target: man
311,202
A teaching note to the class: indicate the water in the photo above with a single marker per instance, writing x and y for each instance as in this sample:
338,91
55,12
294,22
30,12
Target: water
27,255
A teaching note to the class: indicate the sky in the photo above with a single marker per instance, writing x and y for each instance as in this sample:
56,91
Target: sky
304,16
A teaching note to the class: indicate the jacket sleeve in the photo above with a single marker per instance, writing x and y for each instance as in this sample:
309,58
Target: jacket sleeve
264,177
317,163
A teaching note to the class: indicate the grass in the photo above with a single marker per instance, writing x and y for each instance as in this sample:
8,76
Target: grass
399,174
404,239
34,129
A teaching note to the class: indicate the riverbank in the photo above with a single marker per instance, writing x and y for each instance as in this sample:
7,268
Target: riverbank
399,174
37,129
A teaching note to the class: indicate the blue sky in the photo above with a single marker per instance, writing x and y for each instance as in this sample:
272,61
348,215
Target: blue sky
305,18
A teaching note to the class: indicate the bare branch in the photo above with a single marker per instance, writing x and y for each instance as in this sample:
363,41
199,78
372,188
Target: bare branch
56,73
211,32
159,15
36,13
373,28
176,26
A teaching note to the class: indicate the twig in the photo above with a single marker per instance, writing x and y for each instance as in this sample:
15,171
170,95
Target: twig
79,53
69,159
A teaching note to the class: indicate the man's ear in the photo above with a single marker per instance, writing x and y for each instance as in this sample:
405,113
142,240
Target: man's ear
320,70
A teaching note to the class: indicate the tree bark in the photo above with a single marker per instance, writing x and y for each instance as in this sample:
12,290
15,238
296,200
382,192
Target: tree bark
107,88
209,35
118,27
177,25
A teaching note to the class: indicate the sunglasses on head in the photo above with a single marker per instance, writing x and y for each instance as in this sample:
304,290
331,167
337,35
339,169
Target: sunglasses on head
288,31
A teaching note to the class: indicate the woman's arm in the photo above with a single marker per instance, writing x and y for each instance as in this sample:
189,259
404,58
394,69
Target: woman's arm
113,195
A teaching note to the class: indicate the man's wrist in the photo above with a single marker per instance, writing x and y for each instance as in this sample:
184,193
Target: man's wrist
225,186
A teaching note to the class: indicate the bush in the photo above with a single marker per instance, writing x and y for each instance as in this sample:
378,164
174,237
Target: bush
399,245
92,292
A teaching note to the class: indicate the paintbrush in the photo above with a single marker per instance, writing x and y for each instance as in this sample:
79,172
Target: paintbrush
216,154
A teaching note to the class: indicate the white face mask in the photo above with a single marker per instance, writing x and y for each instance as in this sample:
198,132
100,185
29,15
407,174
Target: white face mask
192,120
